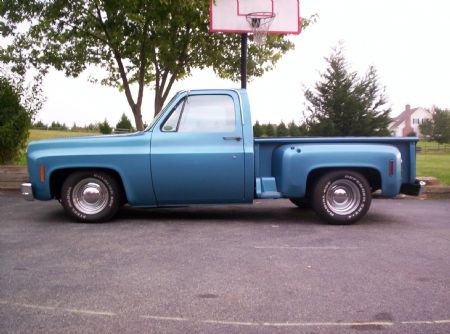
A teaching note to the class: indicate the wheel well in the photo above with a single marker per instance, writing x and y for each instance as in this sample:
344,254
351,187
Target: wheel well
372,176
58,177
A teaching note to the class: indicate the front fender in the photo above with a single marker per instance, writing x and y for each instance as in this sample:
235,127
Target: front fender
127,156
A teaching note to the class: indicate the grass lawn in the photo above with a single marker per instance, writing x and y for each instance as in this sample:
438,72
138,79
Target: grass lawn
434,164
47,134
432,145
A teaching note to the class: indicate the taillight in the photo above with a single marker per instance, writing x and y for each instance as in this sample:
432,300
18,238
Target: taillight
391,168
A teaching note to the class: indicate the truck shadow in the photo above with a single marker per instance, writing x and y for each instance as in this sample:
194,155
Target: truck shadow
283,214
237,215
228,214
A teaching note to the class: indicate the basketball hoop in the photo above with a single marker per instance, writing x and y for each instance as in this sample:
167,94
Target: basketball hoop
260,23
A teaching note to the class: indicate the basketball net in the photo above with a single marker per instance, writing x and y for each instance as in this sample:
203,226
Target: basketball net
260,23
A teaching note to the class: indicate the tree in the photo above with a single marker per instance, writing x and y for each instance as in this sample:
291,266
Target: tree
39,125
15,122
293,129
282,130
55,125
343,104
438,128
92,127
257,130
270,130
135,42
105,128
124,123
426,128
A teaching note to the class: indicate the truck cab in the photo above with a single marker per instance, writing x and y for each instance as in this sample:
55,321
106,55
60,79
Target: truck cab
202,150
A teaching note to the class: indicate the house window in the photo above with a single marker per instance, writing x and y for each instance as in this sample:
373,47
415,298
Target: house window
416,121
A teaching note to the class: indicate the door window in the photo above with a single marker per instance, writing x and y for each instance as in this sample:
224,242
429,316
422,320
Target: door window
203,113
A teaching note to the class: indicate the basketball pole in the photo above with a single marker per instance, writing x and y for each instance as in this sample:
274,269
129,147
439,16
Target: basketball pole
244,42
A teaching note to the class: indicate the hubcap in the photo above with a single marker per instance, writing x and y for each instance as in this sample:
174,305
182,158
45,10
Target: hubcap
90,196
343,197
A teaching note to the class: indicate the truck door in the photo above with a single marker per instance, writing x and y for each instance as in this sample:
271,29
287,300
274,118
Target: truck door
197,152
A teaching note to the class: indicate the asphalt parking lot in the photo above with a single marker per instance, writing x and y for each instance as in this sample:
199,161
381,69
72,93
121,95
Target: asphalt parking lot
267,268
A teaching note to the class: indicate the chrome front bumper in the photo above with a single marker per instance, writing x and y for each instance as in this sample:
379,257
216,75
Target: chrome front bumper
27,191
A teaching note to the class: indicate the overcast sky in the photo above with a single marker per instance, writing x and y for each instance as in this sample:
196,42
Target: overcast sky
406,40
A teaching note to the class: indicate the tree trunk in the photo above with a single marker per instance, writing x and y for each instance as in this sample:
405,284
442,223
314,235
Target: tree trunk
138,118
159,103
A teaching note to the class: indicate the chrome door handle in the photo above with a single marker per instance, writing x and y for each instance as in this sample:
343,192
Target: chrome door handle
237,138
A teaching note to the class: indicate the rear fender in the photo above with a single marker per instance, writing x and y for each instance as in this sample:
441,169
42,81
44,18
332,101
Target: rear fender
293,164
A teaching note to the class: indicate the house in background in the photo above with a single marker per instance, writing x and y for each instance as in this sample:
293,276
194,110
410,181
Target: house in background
409,120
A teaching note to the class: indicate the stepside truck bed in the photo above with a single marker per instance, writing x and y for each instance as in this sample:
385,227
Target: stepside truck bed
285,166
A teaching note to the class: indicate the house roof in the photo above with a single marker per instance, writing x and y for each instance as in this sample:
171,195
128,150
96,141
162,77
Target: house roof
401,118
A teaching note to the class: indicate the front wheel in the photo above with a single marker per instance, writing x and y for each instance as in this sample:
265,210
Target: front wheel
90,196
341,197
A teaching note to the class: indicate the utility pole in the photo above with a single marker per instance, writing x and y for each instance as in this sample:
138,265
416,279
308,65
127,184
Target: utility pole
244,42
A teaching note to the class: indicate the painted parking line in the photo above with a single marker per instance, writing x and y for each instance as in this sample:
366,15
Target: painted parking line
306,247
329,324
425,322
353,324
155,317
89,312
230,323
60,309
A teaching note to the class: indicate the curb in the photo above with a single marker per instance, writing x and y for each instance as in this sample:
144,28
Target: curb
11,177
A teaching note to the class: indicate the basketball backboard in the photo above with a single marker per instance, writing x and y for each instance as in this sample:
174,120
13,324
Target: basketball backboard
232,15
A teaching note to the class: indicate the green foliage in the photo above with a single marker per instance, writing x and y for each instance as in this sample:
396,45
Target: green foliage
124,123
57,126
15,122
426,128
293,129
438,128
39,125
148,42
279,130
105,128
92,127
282,130
343,104
270,130
257,130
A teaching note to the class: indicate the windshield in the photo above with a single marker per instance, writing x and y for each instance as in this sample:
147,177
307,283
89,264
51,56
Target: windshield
161,112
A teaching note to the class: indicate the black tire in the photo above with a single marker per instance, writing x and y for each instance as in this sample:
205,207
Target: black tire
301,203
91,196
341,197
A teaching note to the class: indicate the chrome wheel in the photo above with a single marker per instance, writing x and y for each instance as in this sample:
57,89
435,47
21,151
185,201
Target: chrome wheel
343,197
90,196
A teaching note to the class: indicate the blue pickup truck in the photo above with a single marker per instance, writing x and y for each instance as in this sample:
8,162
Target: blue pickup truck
200,150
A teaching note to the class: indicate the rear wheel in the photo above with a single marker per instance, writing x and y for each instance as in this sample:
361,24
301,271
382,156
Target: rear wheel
341,197
90,196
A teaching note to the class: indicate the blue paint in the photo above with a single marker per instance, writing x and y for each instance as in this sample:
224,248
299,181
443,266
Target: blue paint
160,168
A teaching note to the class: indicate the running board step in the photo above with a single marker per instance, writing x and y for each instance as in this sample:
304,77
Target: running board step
270,194
266,187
